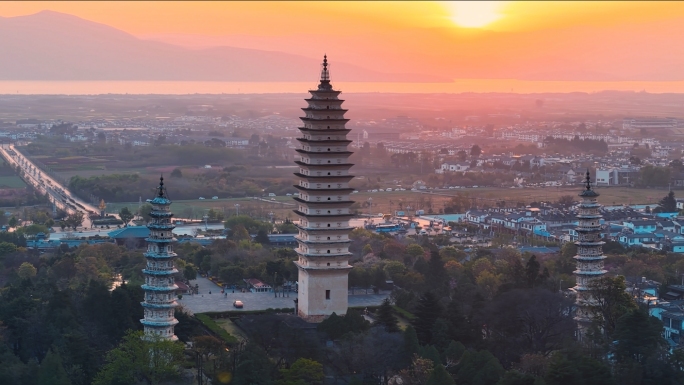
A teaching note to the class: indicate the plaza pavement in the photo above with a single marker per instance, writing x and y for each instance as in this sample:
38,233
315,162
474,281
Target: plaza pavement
205,302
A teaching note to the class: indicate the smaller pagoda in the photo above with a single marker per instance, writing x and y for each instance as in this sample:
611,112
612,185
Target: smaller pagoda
589,256
160,298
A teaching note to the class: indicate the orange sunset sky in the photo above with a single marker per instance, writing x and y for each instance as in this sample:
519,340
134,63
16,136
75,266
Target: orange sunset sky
531,40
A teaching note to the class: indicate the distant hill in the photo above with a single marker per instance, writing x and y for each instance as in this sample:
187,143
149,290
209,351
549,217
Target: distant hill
56,46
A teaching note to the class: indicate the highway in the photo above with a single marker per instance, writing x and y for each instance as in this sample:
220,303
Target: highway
59,194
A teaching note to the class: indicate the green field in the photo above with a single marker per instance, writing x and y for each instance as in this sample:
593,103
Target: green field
12,181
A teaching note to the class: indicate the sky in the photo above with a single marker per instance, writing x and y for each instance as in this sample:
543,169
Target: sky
583,40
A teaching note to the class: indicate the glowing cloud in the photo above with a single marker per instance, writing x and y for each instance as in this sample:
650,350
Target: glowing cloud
474,14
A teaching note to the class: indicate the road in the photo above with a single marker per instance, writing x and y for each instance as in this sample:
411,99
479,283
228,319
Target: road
44,183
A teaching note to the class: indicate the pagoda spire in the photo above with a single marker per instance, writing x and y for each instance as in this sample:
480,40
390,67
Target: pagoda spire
325,76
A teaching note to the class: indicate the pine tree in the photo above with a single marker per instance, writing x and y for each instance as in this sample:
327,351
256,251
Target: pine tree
440,376
52,371
411,344
427,312
386,317
668,204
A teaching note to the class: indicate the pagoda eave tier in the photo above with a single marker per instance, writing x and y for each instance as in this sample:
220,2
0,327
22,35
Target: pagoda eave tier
315,230
331,131
160,272
325,178
590,273
160,240
153,255
332,120
329,166
589,258
324,216
327,190
325,243
332,256
324,203
151,305
159,201
328,91
159,226
596,229
340,101
331,142
158,324
160,288
161,214
323,153
589,244
328,110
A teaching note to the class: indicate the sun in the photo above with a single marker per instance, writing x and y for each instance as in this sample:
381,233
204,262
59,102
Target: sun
474,14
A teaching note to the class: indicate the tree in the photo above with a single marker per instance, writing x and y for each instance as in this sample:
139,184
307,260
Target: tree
262,238
611,301
475,150
141,358
303,372
52,370
566,200
176,173
75,219
145,211
439,376
126,215
638,336
574,368
478,368
240,233
427,312
386,317
668,204
189,272
12,222
26,270
253,367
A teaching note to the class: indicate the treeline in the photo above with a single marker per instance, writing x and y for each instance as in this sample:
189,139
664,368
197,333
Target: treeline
577,145
222,183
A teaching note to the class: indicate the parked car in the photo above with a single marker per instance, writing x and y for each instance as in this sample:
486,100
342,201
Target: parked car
201,198
214,197
238,304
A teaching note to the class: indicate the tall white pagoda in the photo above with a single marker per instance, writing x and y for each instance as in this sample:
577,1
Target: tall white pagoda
160,298
589,256
323,204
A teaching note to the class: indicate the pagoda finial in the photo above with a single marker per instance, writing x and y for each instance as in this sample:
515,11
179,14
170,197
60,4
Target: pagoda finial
161,186
588,179
325,75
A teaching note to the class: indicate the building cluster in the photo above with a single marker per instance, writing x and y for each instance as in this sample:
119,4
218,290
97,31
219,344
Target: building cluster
630,226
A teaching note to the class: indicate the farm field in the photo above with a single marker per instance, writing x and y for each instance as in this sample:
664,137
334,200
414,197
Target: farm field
11,181
386,202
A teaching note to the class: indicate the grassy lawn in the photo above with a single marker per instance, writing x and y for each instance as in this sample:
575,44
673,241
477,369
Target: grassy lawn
12,181
231,328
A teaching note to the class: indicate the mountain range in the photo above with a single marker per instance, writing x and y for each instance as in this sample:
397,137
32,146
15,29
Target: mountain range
56,46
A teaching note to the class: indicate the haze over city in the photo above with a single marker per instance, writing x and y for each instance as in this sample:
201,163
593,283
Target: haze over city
338,193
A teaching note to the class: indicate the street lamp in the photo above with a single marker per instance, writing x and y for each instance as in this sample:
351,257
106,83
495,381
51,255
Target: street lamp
560,286
275,293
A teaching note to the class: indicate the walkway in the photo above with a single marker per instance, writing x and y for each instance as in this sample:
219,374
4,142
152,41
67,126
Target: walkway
205,302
